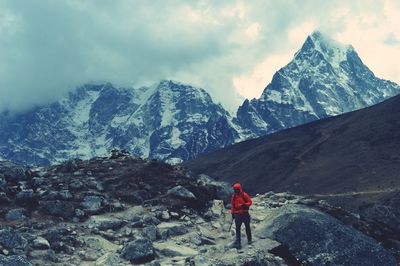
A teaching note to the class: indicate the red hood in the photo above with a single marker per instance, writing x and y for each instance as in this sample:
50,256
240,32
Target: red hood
238,186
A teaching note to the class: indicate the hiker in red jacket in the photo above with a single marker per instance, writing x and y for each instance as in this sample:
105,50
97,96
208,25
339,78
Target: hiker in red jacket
240,202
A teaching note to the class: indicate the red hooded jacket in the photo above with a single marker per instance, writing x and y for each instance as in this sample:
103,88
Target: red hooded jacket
238,200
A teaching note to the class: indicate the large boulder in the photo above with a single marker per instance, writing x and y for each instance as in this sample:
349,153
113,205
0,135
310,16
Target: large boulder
138,251
182,193
315,238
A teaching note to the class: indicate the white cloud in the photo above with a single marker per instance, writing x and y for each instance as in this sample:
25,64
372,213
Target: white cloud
372,29
48,47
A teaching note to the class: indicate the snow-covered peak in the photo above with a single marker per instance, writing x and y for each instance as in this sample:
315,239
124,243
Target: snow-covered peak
331,50
324,40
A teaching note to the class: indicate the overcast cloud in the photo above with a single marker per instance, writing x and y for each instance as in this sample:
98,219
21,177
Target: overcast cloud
230,48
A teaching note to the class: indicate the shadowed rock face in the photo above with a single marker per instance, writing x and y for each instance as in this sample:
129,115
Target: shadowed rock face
316,238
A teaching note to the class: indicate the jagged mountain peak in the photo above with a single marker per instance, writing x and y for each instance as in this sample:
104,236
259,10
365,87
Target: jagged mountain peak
324,39
325,78
319,46
179,87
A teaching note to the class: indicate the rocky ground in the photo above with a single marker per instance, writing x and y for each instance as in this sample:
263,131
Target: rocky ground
123,210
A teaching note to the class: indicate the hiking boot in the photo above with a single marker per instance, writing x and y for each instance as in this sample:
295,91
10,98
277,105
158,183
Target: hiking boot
249,242
235,244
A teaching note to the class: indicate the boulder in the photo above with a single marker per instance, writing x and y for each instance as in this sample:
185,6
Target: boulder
316,238
138,251
171,229
108,259
91,204
149,219
41,243
14,260
105,223
12,172
3,198
223,189
172,250
150,232
25,195
3,181
11,239
63,209
182,193
15,214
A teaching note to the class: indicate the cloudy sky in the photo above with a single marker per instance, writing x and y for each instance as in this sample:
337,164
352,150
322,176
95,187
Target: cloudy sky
231,48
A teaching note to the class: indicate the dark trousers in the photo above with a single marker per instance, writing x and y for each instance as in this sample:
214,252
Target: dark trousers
239,219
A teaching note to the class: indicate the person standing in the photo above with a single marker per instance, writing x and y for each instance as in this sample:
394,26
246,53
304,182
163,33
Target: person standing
241,203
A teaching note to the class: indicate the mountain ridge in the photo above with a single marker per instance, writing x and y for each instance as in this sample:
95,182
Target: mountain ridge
174,122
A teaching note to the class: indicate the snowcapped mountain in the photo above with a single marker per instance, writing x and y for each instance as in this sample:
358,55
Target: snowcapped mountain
324,79
169,121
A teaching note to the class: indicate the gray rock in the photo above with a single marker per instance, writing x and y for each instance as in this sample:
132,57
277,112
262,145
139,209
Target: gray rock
63,209
65,194
26,194
79,213
48,255
150,232
90,255
135,198
181,192
108,259
138,251
38,181
167,230
153,263
15,215
41,243
149,219
172,250
105,223
223,189
91,204
12,239
12,172
316,238
14,260
76,185
4,198
3,181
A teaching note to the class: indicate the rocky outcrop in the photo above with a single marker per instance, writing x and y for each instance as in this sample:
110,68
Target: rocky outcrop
316,238
182,220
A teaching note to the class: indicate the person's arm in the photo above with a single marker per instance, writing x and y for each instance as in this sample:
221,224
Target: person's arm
247,199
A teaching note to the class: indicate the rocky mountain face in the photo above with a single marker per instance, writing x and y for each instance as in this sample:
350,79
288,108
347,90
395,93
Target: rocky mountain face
170,122
324,79
174,122
120,210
